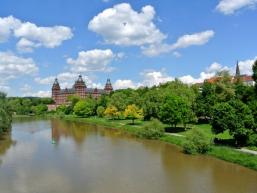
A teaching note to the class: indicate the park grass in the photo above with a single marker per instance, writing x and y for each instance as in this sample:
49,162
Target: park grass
226,153
234,156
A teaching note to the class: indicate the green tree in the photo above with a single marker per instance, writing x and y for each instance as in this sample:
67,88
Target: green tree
255,74
234,116
64,110
151,105
119,100
253,106
5,114
244,92
176,109
100,111
169,111
205,101
245,125
85,107
39,109
103,101
73,99
132,112
223,117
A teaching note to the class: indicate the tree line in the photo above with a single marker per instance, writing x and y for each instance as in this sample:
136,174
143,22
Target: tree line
226,105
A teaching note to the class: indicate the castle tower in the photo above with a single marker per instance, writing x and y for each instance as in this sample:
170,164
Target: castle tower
56,91
108,86
80,87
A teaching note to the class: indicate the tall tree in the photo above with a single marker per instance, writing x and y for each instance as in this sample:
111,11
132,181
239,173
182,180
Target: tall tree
85,107
111,112
133,112
234,116
255,74
5,114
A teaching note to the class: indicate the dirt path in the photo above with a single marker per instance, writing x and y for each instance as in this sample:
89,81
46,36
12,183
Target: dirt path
248,151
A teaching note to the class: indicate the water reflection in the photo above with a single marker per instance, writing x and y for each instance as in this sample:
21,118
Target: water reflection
79,131
68,129
5,143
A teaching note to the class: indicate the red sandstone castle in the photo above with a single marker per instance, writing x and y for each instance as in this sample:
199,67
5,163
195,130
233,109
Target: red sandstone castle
80,89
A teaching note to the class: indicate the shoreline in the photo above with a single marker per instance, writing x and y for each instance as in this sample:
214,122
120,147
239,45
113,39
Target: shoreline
225,153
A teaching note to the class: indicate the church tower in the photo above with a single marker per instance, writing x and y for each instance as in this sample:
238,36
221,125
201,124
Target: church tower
56,91
108,86
80,87
237,75
237,70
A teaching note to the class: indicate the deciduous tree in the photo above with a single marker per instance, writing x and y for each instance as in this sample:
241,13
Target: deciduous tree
111,112
133,112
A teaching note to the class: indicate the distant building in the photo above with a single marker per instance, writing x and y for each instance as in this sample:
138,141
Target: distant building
245,79
80,89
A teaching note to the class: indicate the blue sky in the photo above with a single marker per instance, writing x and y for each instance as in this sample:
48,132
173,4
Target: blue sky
135,43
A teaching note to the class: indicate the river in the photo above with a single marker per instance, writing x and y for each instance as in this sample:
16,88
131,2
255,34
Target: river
55,156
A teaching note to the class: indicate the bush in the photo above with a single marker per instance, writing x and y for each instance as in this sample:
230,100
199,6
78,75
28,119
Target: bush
151,130
100,111
85,107
252,141
196,142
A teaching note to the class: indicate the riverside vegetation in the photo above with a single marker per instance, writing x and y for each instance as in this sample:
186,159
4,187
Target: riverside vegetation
214,119
5,115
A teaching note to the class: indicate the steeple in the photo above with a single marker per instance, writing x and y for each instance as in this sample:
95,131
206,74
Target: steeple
237,70
56,85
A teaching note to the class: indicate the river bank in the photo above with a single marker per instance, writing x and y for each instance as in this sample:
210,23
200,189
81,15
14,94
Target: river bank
226,153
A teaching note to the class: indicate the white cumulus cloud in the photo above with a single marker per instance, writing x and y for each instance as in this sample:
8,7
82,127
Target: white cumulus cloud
31,35
92,60
121,25
123,84
151,77
7,25
14,66
228,7
124,26
184,41
246,66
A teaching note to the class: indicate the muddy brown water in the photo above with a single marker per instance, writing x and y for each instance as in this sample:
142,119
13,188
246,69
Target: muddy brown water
52,156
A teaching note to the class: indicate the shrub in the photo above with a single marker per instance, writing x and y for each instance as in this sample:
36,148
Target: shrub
100,111
252,141
85,107
151,130
196,142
